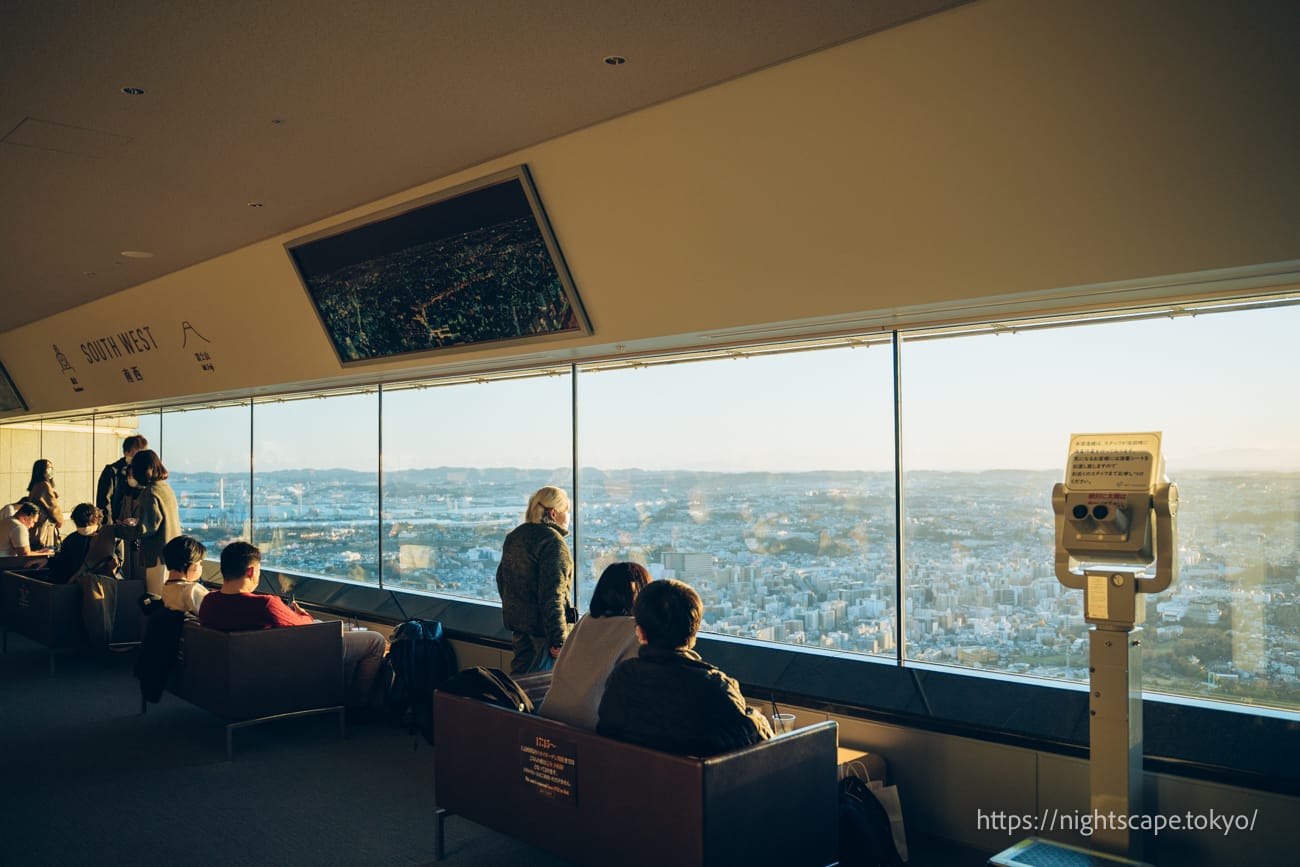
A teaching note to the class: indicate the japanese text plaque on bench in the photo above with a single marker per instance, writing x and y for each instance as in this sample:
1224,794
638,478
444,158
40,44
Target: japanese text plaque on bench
550,768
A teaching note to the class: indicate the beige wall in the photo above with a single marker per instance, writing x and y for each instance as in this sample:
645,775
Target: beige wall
1006,150
945,780
78,451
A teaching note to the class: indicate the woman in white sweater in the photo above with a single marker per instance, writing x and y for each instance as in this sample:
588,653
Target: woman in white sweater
183,557
603,638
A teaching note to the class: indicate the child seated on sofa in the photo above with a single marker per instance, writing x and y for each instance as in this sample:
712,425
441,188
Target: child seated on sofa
668,698
183,557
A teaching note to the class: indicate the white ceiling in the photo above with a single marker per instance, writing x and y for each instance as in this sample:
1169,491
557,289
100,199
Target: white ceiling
312,107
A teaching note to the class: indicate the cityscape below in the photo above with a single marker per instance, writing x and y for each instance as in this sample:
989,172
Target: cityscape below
811,558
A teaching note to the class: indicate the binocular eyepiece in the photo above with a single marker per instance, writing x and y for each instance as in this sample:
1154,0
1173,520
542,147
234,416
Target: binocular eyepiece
1101,516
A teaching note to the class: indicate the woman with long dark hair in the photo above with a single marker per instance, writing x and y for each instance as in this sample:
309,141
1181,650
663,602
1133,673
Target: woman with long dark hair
603,638
49,519
157,515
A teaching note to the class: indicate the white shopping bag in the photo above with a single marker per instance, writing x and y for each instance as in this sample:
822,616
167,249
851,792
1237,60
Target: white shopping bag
888,798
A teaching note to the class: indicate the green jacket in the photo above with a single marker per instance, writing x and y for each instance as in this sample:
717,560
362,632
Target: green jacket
535,581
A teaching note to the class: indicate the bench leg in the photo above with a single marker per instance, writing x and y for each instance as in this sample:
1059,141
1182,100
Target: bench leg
230,743
343,723
439,820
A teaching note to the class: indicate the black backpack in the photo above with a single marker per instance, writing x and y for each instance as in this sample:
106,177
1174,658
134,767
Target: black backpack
866,838
491,685
421,659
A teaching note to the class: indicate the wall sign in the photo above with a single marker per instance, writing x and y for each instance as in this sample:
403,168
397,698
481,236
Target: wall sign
140,352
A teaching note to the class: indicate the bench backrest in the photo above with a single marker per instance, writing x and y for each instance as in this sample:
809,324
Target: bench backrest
261,672
617,803
49,614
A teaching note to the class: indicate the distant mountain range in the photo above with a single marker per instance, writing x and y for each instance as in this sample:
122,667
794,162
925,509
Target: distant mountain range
1278,462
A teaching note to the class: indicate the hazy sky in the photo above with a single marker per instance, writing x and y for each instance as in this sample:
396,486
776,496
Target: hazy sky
1218,387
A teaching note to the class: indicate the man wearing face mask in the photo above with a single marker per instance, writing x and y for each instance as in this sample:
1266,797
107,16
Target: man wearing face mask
116,496
113,482
535,581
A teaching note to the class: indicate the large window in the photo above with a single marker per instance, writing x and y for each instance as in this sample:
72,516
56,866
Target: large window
316,485
764,482
766,478
460,462
148,425
208,456
986,425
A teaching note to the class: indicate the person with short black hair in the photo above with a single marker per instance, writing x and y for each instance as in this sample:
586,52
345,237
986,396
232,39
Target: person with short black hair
603,638
113,486
236,606
72,553
15,532
668,698
183,557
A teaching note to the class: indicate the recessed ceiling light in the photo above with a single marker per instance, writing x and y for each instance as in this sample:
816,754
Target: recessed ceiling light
615,60
277,121
255,204
133,91
87,273
135,254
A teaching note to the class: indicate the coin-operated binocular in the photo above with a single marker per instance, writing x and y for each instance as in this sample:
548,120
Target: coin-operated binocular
1116,517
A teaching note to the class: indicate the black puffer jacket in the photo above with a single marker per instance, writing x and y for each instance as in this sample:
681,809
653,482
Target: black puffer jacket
535,580
672,700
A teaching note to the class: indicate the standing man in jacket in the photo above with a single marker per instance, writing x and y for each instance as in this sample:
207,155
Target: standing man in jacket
112,480
115,498
535,581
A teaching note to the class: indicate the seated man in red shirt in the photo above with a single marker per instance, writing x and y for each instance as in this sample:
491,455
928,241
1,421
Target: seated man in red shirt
235,606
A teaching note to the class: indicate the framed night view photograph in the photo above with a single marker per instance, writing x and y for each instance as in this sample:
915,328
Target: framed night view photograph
474,265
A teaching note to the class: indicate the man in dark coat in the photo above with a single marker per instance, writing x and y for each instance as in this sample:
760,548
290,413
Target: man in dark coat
535,581
112,480
668,698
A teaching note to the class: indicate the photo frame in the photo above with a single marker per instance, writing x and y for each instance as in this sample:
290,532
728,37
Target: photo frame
477,264
10,398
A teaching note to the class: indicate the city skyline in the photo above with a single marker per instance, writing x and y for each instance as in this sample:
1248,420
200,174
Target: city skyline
809,559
